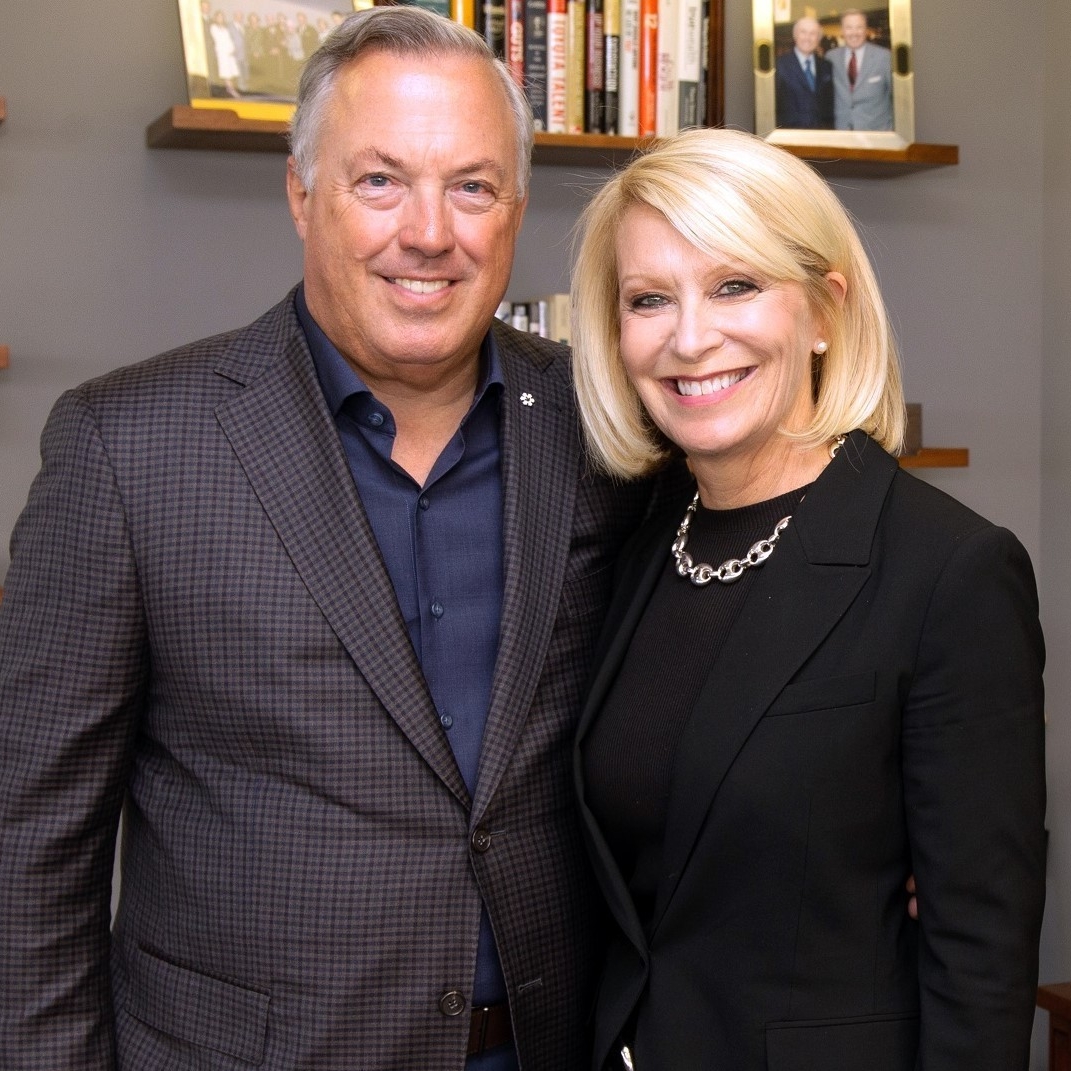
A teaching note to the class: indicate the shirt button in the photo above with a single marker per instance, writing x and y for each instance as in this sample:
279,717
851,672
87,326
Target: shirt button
481,841
375,419
437,609
452,1002
446,720
423,502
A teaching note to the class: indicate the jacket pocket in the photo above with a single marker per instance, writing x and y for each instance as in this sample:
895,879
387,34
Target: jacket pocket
196,1008
877,1043
825,693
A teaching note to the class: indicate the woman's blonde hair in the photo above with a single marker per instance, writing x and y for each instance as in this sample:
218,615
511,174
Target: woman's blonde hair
733,196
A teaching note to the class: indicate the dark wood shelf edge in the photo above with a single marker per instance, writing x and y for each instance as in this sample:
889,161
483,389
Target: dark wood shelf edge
219,129
937,457
3,109
5,356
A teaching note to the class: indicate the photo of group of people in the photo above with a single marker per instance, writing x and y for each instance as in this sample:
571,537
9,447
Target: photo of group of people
252,51
833,71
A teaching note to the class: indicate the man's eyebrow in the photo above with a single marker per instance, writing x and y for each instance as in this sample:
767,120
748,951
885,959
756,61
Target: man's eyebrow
379,158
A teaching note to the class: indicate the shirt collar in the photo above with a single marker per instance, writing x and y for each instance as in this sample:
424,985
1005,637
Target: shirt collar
339,380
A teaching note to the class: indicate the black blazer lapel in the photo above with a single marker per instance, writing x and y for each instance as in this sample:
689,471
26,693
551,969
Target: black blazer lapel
283,436
821,563
646,561
541,462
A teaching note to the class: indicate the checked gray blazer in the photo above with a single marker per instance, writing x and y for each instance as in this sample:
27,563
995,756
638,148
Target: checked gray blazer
198,624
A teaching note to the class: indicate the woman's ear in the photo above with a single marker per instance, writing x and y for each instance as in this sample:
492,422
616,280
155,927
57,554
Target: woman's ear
838,285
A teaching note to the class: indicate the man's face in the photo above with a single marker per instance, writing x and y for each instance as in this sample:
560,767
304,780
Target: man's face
806,34
411,224
853,29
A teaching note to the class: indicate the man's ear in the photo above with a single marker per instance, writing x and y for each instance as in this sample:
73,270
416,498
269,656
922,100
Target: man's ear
297,197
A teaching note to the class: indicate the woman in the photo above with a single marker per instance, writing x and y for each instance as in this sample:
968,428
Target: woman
776,737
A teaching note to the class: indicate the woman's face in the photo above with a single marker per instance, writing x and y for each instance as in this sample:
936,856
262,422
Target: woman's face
720,357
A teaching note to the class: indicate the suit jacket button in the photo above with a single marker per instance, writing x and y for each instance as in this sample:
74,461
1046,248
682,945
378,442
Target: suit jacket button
452,1002
481,841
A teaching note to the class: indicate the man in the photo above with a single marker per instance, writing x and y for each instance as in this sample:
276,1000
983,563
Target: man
803,90
313,602
862,78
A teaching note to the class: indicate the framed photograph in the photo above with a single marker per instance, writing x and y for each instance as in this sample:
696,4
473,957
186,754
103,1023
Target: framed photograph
831,75
247,55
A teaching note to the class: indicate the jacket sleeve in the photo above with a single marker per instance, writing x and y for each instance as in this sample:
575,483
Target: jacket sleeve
73,668
974,783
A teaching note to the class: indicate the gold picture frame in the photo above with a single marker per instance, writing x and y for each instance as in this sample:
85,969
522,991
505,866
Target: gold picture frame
247,55
878,112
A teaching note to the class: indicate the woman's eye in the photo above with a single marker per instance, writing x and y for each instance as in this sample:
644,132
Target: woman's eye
733,287
647,301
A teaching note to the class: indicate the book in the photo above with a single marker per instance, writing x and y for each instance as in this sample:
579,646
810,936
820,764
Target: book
535,59
557,47
666,103
611,24
559,326
628,93
594,67
464,11
492,19
646,107
575,64
704,63
514,43
689,43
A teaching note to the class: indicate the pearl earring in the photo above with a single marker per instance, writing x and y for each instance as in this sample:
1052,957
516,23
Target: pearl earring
820,347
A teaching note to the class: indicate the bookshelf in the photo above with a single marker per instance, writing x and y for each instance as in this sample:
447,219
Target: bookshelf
221,130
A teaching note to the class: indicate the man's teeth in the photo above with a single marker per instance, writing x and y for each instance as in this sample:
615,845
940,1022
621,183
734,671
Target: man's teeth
695,387
423,286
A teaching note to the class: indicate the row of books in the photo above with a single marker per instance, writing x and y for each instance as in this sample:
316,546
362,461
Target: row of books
633,68
547,316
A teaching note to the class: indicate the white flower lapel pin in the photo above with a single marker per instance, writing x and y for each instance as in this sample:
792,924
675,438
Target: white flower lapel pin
527,399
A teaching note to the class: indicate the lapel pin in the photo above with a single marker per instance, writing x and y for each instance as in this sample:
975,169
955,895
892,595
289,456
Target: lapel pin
527,399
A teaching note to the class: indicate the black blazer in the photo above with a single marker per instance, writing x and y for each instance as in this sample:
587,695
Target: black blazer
796,104
876,711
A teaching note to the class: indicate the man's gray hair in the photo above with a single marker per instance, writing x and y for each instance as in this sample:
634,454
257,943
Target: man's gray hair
401,31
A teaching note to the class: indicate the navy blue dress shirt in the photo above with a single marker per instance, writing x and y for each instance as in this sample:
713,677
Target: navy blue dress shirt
442,546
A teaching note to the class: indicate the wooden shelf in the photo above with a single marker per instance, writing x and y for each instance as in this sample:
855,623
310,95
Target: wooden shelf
219,129
5,356
937,457
3,109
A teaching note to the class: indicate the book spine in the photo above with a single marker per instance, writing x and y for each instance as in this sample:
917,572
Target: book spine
535,59
515,39
703,105
666,114
628,98
594,67
557,39
575,62
493,25
646,109
689,43
611,22
464,12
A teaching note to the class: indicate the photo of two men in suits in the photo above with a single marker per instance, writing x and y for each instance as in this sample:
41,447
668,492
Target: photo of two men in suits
834,77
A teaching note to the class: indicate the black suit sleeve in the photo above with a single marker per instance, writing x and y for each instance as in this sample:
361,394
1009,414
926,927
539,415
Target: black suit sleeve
973,761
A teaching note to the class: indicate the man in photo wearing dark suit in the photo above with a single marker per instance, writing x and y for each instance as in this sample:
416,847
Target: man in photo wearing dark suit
803,86
312,604
862,78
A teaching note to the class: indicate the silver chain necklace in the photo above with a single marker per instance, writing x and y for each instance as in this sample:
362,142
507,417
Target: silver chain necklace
732,568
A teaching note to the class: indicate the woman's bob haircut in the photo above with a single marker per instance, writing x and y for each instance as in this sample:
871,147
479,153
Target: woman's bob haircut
733,196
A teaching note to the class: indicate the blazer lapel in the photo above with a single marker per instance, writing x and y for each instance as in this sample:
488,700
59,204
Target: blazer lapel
805,587
284,437
541,461
632,592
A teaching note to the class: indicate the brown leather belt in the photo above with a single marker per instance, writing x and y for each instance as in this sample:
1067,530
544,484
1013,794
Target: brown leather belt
491,1027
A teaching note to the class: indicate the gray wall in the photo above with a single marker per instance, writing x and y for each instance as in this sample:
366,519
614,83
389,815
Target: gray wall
110,252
